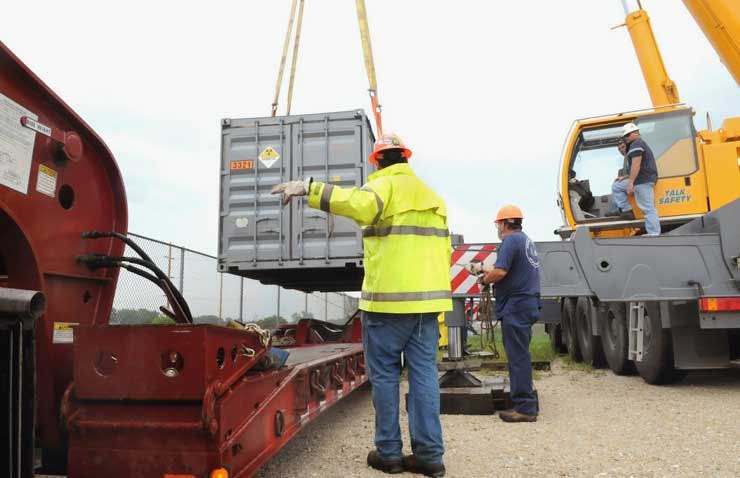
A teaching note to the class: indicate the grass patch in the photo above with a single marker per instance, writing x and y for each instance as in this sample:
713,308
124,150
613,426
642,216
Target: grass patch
539,347
570,365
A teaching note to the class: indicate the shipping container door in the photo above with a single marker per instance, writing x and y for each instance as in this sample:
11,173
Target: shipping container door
330,148
256,156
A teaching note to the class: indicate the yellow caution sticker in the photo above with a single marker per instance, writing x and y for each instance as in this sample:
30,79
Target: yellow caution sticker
269,156
46,182
63,332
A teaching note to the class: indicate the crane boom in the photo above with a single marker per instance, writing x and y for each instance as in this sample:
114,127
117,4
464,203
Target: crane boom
720,22
663,91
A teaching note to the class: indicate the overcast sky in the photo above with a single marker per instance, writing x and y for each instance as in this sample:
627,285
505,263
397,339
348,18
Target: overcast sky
484,92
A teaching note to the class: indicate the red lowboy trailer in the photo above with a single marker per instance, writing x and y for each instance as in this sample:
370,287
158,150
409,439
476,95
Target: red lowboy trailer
188,399
128,401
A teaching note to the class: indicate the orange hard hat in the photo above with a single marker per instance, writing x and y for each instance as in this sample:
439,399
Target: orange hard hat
509,211
388,141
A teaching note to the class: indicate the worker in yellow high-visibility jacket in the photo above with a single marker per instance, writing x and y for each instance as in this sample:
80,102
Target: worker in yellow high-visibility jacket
406,285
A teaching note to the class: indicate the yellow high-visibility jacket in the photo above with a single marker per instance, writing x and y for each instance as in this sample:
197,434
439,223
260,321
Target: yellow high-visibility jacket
405,238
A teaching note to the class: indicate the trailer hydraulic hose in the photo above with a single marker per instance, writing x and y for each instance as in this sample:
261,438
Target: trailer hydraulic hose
149,264
180,300
122,237
151,278
138,272
155,280
100,260
351,317
97,261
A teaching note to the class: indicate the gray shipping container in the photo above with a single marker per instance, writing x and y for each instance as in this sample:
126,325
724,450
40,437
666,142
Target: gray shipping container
293,246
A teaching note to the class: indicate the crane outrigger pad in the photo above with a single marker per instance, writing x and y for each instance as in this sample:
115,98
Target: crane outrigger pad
491,396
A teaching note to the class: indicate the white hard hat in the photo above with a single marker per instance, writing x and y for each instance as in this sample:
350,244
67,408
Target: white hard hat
629,128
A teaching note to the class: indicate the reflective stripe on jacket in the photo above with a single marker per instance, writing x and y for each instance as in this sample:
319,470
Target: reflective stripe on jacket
405,238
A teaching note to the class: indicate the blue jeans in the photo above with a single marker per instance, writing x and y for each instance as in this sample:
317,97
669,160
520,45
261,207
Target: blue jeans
645,199
385,337
516,327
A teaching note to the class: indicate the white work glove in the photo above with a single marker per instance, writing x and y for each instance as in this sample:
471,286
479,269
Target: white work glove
291,189
475,268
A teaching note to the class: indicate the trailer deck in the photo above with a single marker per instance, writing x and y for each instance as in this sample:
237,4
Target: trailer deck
160,424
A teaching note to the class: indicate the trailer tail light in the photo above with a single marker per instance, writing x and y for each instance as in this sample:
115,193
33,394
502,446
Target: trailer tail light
719,304
220,473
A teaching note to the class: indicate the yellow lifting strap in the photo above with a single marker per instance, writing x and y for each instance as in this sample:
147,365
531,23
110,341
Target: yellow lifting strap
284,57
367,52
296,42
288,34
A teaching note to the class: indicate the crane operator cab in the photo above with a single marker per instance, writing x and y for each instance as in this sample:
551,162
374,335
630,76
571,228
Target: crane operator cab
592,162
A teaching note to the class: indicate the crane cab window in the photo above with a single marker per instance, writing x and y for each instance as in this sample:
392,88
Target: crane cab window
671,136
596,162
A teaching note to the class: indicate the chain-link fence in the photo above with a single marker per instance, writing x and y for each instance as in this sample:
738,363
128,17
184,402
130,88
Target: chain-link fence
215,297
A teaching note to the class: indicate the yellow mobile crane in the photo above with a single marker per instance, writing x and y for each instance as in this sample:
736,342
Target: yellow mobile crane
698,170
662,305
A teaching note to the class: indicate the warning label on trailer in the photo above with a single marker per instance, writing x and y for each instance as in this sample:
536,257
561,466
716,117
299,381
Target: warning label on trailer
16,145
46,182
269,156
63,332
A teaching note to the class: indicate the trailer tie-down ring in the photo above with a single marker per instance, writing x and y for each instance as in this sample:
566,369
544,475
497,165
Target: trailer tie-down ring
336,375
351,369
316,385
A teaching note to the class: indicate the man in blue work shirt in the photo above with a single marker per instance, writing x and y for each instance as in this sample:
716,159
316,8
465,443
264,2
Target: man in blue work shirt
642,174
516,276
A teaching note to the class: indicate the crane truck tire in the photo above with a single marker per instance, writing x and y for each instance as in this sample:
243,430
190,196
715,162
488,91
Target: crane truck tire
615,339
589,345
656,366
569,329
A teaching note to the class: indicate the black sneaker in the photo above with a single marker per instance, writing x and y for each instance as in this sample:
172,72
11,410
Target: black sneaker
415,465
613,213
389,465
627,215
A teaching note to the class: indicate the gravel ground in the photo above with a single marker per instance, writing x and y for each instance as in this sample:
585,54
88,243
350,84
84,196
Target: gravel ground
591,424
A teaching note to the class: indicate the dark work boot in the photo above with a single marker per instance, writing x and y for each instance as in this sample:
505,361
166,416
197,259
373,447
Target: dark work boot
627,215
386,465
415,465
513,416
